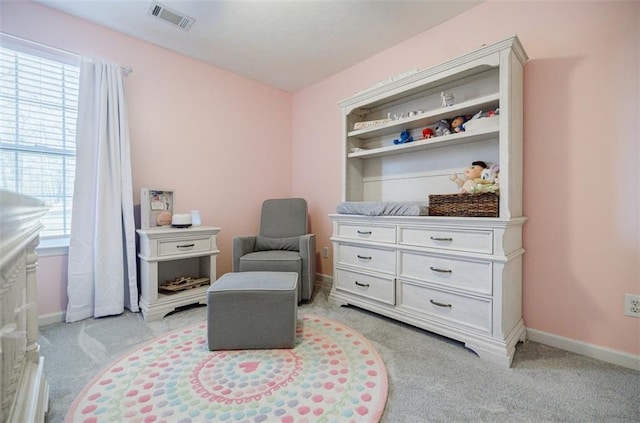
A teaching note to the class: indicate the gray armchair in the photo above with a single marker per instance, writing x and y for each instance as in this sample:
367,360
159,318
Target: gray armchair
283,244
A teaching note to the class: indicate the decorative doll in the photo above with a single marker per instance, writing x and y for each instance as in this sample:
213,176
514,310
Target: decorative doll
470,173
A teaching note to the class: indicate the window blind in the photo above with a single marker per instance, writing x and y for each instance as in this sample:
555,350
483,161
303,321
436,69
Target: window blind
38,111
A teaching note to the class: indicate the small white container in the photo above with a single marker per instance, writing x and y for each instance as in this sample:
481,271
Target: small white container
195,218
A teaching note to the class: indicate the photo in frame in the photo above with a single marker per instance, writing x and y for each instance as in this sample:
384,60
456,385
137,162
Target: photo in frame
156,207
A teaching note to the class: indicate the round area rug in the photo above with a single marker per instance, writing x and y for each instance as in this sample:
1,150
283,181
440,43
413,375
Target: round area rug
333,374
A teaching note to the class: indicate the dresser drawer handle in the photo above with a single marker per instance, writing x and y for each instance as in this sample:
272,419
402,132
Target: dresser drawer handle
186,246
435,269
366,285
363,257
435,303
435,238
364,232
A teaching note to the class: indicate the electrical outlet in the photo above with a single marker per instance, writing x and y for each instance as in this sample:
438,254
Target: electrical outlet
325,252
632,305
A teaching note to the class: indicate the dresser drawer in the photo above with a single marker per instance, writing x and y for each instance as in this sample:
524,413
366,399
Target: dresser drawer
184,246
377,233
469,311
376,259
472,275
476,241
373,287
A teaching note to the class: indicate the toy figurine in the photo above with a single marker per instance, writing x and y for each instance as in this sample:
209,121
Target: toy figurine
447,99
427,133
405,137
471,173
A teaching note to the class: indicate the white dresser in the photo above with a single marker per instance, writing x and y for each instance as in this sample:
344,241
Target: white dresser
454,276
24,392
460,277
169,253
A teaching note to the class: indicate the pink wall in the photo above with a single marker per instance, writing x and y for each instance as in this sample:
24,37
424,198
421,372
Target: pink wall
52,286
581,153
212,136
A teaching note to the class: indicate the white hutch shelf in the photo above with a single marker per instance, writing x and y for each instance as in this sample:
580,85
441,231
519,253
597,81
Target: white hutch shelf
460,277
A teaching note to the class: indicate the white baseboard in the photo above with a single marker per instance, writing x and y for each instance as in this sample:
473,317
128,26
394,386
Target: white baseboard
60,316
619,358
49,319
608,355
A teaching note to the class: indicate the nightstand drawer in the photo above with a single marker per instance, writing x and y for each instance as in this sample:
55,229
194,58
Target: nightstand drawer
470,311
476,241
183,246
372,287
472,275
376,259
364,232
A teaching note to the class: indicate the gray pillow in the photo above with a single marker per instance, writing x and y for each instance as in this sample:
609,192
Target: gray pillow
264,243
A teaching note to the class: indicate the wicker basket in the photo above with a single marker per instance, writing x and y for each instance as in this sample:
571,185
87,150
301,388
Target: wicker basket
464,205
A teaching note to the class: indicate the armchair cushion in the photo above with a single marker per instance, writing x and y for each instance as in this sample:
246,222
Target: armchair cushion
264,243
273,261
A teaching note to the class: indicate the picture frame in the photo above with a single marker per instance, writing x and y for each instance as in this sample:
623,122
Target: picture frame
154,203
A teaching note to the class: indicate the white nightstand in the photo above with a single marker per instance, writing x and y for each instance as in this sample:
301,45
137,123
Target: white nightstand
169,253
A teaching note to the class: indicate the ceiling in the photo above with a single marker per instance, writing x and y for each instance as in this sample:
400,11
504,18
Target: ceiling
287,44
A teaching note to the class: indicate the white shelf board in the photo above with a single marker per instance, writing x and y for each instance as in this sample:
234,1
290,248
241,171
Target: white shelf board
430,143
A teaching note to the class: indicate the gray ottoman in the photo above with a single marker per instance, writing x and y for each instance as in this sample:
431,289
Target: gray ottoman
252,310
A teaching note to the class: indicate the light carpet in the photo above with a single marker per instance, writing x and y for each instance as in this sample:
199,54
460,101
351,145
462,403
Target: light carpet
332,374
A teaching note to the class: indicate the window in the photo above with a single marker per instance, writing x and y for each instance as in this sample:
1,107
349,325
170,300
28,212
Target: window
38,111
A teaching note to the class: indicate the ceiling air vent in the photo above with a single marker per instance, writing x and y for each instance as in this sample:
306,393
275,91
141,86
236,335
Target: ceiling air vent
170,15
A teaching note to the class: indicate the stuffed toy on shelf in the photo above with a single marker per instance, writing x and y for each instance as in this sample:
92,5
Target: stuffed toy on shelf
405,137
442,128
427,133
471,173
489,180
457,124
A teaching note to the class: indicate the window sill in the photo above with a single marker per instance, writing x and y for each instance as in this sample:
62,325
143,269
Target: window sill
53,247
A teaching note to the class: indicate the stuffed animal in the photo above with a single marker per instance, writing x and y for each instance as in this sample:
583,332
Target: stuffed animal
488,181
496,175
405,137
488,175
457,124
442,128
470,173
427,133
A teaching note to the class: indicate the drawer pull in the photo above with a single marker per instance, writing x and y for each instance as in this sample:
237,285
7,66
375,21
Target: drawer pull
363,257
435,269
186,246
436,303
364,232
435,238
366,285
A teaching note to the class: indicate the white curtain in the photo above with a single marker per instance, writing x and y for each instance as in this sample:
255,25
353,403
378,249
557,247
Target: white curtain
102,254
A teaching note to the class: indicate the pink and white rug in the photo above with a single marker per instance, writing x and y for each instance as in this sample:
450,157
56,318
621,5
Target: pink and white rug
333,374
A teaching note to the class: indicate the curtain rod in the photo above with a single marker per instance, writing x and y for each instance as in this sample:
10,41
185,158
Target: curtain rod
29,47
